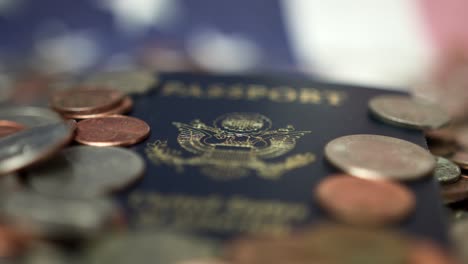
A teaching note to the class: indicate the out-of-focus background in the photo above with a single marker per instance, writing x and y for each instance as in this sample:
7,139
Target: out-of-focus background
398,44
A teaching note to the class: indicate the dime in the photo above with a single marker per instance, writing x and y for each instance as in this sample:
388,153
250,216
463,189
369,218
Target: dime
364,202
8,128
27,147
29,116
127,81
408,112
461,159
57,218
446,171
151,247
112,131
85,99
379,157
84,171
124,107
455,192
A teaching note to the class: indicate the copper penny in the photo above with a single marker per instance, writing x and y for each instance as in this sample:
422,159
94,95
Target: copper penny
455,192
364,202
85,99
124,107
425,252
111,131
461,159
8,128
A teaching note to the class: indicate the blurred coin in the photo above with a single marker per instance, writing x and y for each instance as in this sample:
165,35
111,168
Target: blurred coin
127,81
111,131
124,107
323,244
408,112
441,135
43,253
459,234
426,252
85,99
150,247
446,171
13,241
29,116
57,218
84,171
461,159
29,146
397,159
9,127
455,192
364,202
444,149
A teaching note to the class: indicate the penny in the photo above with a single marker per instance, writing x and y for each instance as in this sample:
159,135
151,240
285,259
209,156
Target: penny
426,252
364,202
124,107
455,192
84,171
85,99
30,146
323,243
46,216
8,128
444,149
151,247
397,159
446,171
408,112
461,159
111,131
127,81
29,116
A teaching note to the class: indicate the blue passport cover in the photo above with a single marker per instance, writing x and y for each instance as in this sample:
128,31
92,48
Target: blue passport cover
229,155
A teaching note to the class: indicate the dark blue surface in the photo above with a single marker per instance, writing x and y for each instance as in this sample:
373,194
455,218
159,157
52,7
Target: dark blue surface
325,122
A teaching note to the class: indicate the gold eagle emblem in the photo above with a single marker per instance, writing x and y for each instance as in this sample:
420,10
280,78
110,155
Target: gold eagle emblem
234,146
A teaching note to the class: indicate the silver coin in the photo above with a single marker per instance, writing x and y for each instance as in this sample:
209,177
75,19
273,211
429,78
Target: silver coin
151,247
85,171
27,147
128,81
379,157
57,218
446,171
29,116
408,112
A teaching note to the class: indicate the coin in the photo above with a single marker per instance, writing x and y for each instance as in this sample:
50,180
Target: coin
111,131
379,157
150,247
323,243
446,171
84,171
408,112
441,135
29,116
124,107
127,81
444,149
30,146
62,218
455,192
461,159
8,128
364,202
426,252
12,241
85,99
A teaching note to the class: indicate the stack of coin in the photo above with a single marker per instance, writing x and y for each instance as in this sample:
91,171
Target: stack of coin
90,102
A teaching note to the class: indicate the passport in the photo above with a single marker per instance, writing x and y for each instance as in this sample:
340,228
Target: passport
231,155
